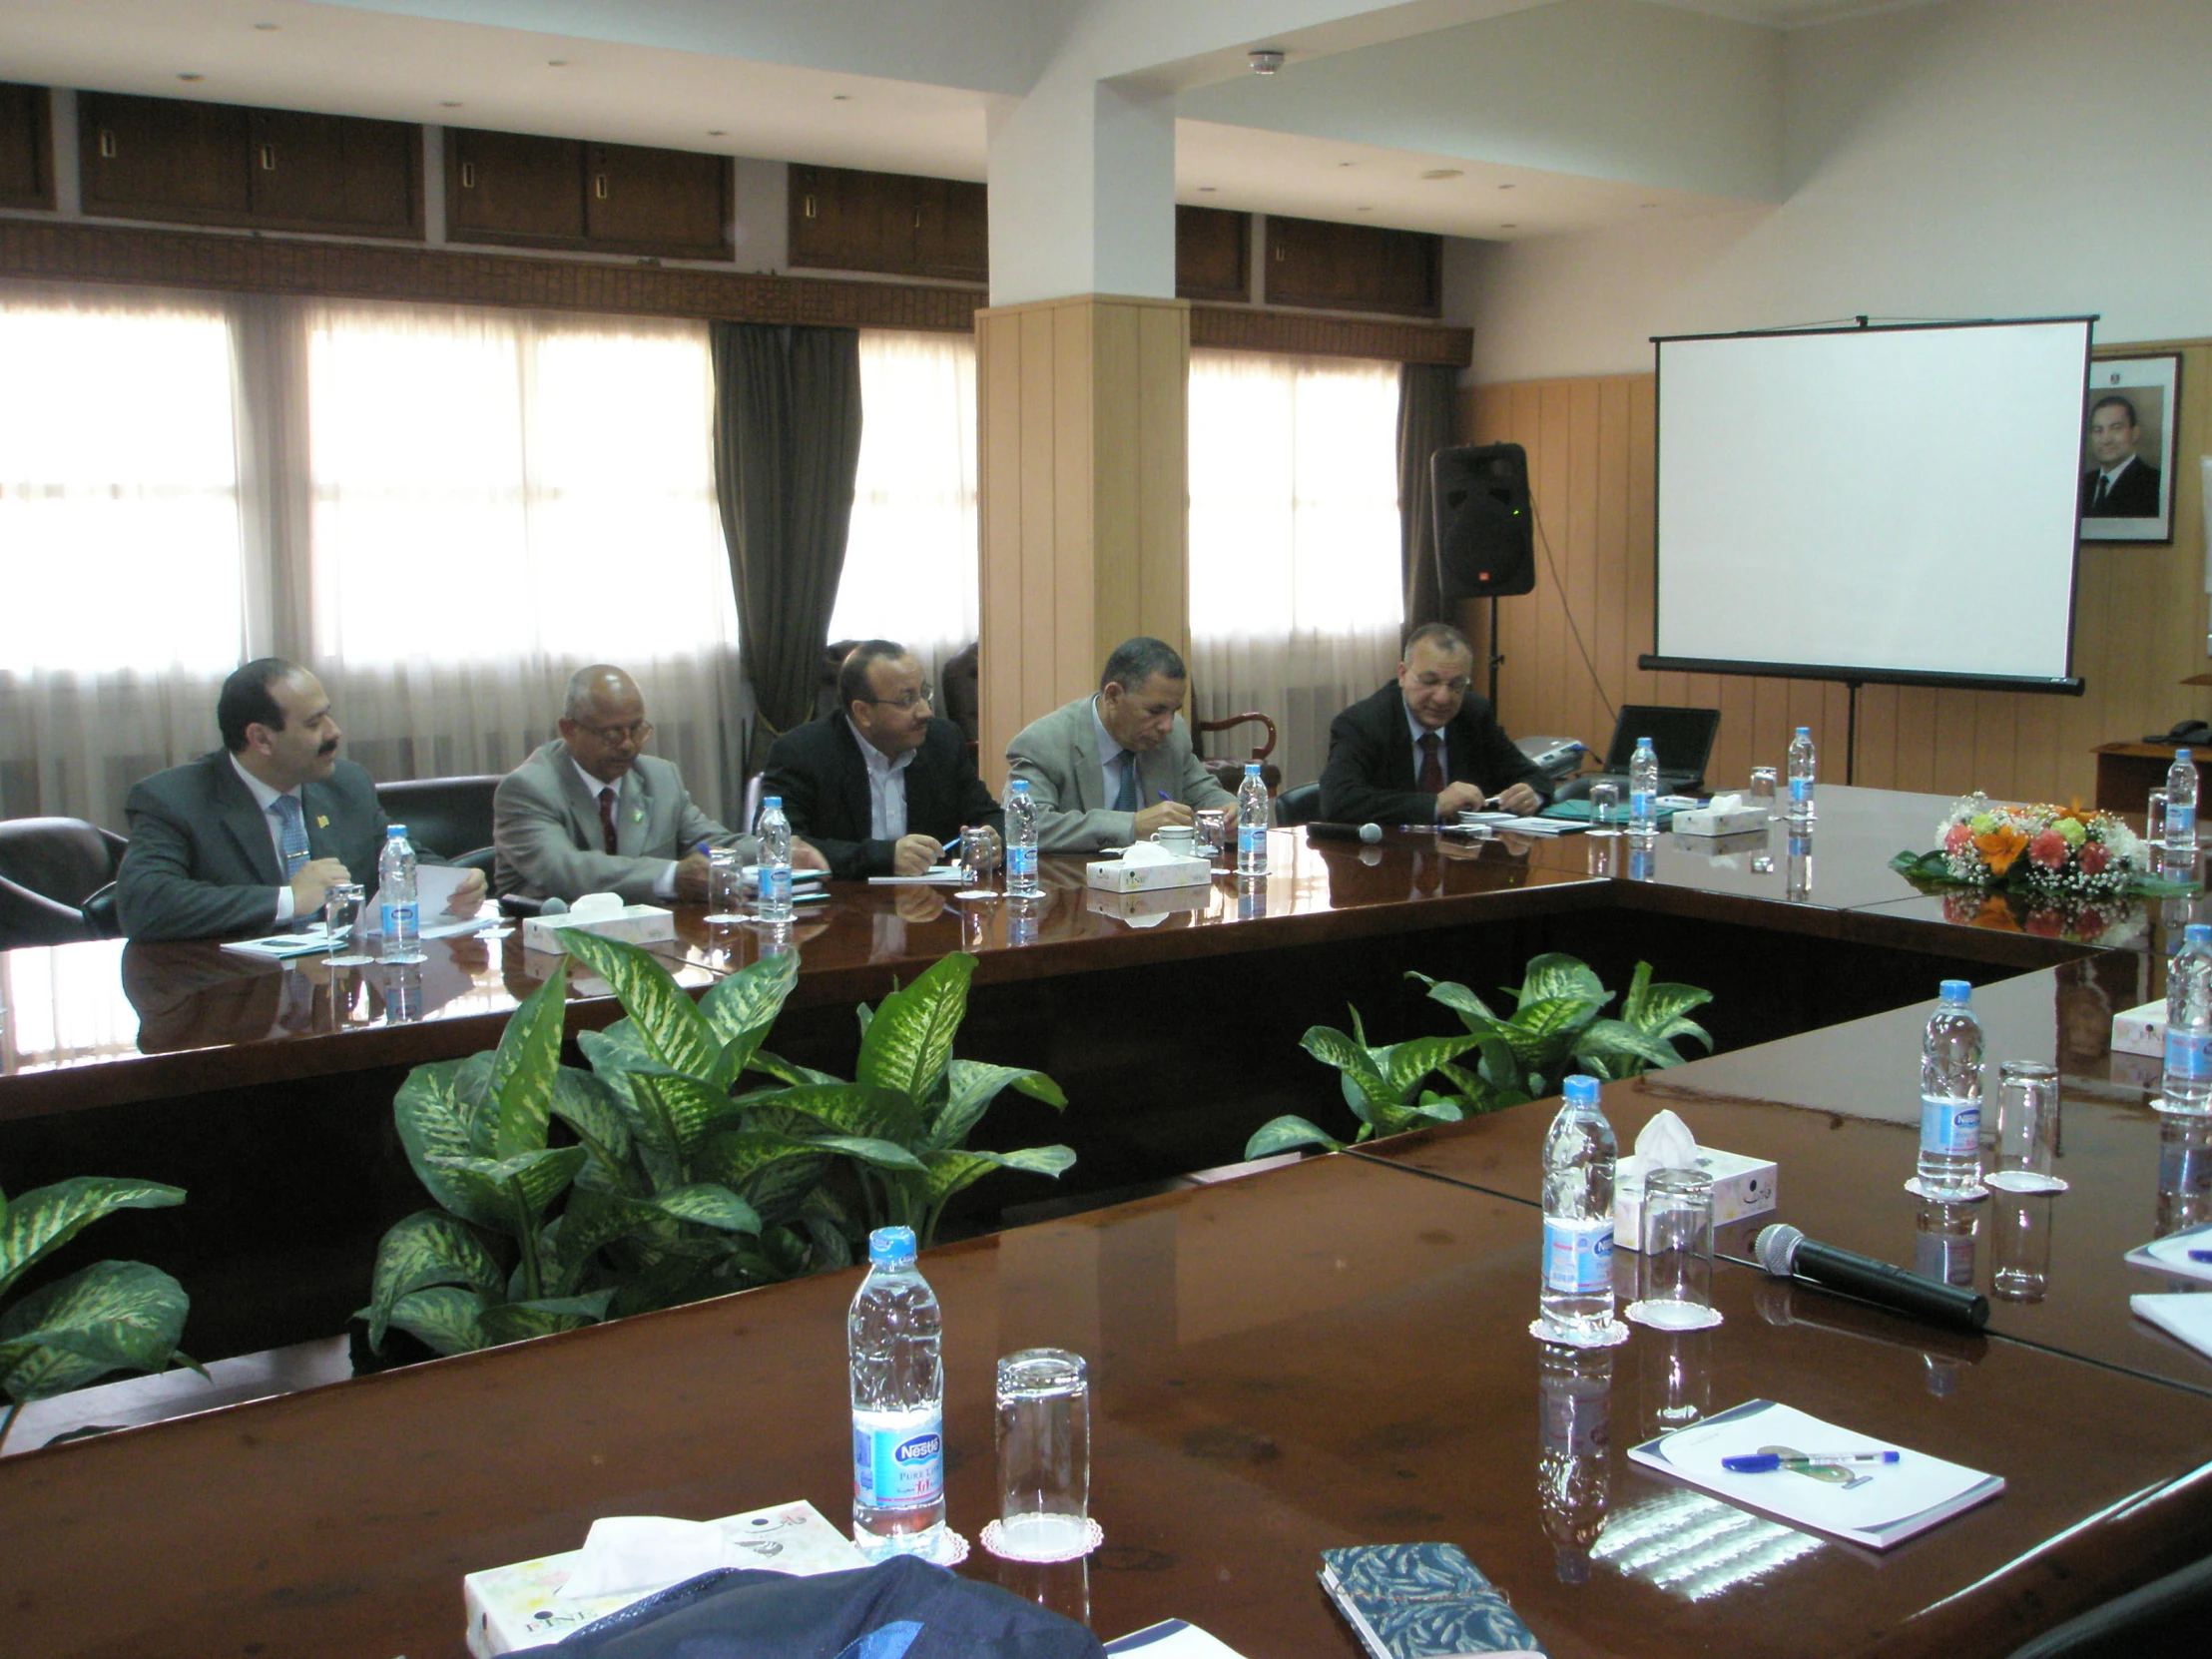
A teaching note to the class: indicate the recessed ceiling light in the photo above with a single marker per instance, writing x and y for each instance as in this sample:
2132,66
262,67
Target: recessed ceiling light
1446,172
556,63
1207,190
1505,187
1647,204
1348,163
840,98
187,75
718,132
267,28
449,102
1369,209
1508,226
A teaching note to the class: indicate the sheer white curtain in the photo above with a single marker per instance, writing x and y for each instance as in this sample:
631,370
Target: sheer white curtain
911,563
120,557
1295,603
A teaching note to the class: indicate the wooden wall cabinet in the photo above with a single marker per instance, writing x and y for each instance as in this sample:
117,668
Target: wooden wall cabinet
179,161
522,191
513,189
1213,253
26,147
1353,268
842,218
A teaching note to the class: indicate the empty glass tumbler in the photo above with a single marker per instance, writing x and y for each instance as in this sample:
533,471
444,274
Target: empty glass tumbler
1677,1267
1044,1457
2027,1129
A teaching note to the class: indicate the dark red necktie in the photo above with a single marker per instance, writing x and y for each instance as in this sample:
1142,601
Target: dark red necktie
607,816
1432,764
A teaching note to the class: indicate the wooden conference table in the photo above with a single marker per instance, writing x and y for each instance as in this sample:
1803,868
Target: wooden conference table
1326,1354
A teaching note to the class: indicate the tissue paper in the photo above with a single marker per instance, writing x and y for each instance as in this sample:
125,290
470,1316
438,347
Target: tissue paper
1147,866
1741,1186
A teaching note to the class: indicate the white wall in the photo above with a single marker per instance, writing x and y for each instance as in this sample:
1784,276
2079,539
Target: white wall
1983,158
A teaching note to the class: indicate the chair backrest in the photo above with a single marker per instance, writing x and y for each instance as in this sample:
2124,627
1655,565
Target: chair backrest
2168,1615
1683,737
450,816
62,859
1298,804
961,694
29,918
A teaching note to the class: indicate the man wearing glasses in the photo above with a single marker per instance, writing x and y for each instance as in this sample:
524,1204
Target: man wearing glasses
877,784
1422,749
591,813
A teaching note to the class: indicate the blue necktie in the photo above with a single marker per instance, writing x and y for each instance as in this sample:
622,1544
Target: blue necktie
295,834
1126,799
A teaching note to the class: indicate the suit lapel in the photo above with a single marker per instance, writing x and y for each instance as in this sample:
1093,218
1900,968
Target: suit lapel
1403,773
632,809
853,782
583,805
1088,781
249,829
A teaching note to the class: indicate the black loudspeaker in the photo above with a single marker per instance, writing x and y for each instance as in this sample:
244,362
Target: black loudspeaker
1485,533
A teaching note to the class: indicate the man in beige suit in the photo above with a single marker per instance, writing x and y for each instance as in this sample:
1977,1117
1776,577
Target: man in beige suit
590,812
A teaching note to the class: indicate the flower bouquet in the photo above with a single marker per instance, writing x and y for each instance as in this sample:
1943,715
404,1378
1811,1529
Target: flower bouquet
2055,856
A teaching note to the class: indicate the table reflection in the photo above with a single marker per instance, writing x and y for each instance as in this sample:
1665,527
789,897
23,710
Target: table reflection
1574,1387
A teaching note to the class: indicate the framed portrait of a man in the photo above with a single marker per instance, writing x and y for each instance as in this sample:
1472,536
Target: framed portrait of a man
2127,448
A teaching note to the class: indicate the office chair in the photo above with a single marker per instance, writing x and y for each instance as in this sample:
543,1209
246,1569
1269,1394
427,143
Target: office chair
1298,804
2168,1615
53,867
449,817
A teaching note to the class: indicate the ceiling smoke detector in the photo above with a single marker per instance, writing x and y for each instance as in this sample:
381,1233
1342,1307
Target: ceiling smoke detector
1266,60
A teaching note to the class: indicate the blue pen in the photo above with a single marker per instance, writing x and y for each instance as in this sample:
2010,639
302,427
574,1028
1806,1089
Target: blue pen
2200,1255
1766,1463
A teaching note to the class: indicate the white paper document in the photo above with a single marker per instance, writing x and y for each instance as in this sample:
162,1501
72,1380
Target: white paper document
2186,1315
1172,1639
936,875
2171,1254
435,885
1877,1504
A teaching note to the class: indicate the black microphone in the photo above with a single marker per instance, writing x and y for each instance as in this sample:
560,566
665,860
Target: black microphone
1789,1254
1322,832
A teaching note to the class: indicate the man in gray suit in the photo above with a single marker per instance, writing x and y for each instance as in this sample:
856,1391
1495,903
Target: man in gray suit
590,812
1110,768
250,836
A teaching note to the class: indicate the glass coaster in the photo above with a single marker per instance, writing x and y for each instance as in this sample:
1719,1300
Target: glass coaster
1611,1334
952,1550
1964,1195
1673,1316
976,892
1068,1545
2024,1181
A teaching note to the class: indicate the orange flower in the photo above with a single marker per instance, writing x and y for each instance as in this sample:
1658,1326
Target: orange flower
2084,816
2000,848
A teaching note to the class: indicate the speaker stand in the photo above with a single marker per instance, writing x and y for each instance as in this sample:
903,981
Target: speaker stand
1496,656
1850,730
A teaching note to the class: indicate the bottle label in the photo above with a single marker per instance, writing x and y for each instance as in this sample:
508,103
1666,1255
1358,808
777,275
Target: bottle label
2181,820
2189,1055
898,1458
1801,788
1578,1256
1953,1127
399,921
1021,862
775,887
1643,805
1251,839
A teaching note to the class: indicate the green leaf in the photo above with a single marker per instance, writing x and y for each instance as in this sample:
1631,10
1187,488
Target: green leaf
1283,1133
666,1021
1365,1088
1537,1028
427,1248
851,1109
949,1172
674,1115
433,1125
1410,1061
525,1186
880,1153
1439,1111
1657,1010
514,1321
786,1071
1615,1041
37,1223
710,1205
523,1065
773,1172
1460,1000
111,1315
586,1103
447,1318
973,1086
1556,976
908,1044
740,1008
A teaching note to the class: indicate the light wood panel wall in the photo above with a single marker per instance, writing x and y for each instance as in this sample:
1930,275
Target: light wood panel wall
1083,408
2139,617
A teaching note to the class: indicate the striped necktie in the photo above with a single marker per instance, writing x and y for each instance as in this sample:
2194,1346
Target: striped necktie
295,828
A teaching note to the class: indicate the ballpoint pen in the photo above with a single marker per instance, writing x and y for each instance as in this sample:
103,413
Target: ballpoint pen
1766,1463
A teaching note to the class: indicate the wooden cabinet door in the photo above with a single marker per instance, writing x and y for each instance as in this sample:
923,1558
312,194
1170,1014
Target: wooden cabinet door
514,186
1213,253
26,147
667,201
842,218
334,171
1353,268
952,237
163,157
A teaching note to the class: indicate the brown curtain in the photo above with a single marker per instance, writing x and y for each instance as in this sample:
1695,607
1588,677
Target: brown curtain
1427,412
787,445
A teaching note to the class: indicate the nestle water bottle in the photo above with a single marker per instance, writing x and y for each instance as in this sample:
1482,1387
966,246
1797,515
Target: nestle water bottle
2181,808
1577,1294
1801,777
1798,874
1021,840
396,897
892,1336
1643,790
773,903
1951,1098
1252,822
2188,1081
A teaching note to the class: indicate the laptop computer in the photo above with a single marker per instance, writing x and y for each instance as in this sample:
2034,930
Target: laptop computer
1683,739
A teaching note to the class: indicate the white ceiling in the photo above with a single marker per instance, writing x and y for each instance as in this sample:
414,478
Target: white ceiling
394,58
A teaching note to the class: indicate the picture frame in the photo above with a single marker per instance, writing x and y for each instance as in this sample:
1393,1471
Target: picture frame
2130,414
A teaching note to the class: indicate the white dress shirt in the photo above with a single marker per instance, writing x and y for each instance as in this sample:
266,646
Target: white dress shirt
886,790
664,885
1110,763
265,798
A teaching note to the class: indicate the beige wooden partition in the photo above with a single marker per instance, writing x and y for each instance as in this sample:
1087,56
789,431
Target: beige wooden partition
1082,461
2139,619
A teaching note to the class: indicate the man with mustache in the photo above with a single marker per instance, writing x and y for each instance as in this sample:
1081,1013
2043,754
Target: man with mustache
250,835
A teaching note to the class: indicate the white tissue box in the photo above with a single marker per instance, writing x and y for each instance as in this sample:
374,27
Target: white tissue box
1717,821
519,1606
633,924
1126,875
1156,902
1741,1187
2141,1030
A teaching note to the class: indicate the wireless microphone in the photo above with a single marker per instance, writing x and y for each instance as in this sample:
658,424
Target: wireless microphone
1320,832
1789,1254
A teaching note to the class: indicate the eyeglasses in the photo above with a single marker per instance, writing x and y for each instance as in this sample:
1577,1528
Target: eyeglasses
924,692
636,732
1458,686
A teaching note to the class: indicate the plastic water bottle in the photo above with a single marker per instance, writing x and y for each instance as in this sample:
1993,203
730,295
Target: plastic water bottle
1021,840
1579,1152
774,900
1801,777
1951,1098
2188,1081
2181,808
1252,822
892,1336
396,897
1797,875
1574,1428
1643,790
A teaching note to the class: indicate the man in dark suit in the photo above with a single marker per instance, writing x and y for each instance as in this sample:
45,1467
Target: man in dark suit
252,835
878,786
1422,749
2120,485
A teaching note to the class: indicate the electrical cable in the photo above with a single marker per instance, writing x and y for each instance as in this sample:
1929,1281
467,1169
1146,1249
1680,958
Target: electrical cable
1567,610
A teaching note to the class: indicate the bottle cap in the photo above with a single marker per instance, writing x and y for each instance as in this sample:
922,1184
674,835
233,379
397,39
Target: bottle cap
2197,932
1643,742
1251,769
395,831
774,801
2181,754
1957,990
1021,785
888,1246
1581,1090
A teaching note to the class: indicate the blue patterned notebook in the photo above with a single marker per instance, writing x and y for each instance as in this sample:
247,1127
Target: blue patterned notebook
1422,1601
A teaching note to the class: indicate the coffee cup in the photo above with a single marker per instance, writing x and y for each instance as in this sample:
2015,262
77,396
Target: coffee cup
1176,838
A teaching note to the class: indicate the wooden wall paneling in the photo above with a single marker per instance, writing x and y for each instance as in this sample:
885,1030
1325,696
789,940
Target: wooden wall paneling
1578,572
1163,463
1606,627
1046,440
1117,554
998,487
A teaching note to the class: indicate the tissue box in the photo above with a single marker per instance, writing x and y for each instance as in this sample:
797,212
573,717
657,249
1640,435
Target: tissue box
1141,906
2141,1030
1121,876
1741,1187
1718,820
518,1606
633,924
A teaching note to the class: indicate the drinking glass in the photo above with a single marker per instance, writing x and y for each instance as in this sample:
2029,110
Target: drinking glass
1677,1268
976,859
1210,825
1044,1455
341,908
2154,818
1761,792
2019,1253
724,887
2028,1128
1606,809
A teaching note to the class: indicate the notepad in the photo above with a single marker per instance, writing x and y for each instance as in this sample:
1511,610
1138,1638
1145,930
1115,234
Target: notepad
2171,1254
1172,1639
2185,1315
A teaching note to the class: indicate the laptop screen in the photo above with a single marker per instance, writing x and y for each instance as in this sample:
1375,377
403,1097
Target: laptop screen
1683,736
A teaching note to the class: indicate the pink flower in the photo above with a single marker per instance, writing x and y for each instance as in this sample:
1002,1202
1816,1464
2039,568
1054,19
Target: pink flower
1956,838
2048,850
2045,925
2093,858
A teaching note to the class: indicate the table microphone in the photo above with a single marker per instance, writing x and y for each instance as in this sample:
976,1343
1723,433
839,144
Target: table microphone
1320,832
1787,1253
